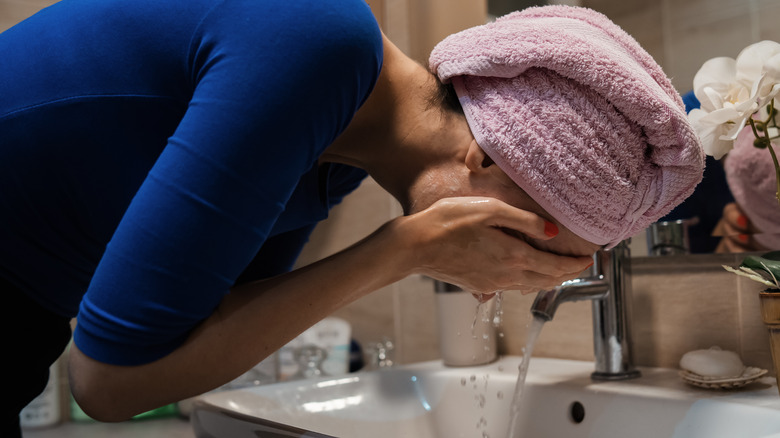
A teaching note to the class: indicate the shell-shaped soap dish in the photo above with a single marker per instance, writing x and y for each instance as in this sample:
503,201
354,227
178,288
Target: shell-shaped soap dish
749,375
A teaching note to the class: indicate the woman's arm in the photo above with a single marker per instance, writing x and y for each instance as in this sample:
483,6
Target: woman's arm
457,240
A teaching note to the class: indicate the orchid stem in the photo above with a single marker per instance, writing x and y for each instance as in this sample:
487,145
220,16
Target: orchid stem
777,171
753,126
772,149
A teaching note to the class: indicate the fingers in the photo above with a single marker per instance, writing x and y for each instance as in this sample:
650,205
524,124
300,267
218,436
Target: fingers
735,220
552,265
737,231
511,218
499,214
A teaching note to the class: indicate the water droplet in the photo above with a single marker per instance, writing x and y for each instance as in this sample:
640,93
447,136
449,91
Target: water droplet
500,395
500,368
463,381
473,378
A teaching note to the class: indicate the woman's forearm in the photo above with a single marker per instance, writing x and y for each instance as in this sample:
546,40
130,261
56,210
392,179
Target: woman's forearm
252,322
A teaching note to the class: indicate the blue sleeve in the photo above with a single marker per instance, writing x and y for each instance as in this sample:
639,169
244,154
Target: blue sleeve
274,87
690,101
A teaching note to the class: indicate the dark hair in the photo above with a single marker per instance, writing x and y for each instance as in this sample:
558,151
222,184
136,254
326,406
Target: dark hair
445,97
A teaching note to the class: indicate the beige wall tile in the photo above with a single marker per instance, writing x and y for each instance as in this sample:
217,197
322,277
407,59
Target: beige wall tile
641,19
14,11
433,20
682,306
417,332
754,336
767,13
569,335
702,29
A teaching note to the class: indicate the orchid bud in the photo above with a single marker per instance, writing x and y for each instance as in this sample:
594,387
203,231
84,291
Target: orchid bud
761,142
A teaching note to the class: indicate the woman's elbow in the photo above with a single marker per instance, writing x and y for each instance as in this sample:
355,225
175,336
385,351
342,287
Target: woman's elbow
98,389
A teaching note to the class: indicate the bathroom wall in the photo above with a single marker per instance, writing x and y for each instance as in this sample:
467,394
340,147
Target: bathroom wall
681,35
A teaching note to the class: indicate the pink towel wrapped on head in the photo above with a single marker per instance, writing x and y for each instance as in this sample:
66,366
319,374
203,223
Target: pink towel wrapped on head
578,115
750,173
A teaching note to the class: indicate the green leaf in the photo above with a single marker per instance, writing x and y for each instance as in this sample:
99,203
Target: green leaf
768,263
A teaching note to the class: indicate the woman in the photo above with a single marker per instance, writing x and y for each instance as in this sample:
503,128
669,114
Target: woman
197,142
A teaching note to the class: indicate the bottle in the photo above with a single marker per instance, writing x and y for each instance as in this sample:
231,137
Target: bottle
44,410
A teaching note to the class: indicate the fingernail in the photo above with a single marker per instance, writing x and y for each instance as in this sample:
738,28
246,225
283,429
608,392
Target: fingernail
742,221
550,229
743,238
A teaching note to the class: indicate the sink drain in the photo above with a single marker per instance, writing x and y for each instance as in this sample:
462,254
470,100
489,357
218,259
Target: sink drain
576,412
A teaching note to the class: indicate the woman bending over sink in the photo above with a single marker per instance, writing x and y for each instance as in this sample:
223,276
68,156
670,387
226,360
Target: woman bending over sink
162,164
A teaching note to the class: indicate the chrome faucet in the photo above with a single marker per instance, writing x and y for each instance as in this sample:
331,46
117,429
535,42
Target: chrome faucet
608,286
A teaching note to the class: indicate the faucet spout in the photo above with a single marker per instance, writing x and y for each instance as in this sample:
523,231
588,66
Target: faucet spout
608,287
579,289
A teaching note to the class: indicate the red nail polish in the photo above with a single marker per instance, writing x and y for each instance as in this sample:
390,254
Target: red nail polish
550,229
742,221
743,238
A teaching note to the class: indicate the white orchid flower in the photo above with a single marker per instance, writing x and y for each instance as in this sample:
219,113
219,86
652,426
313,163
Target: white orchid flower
715,83
711,134
757,69
733,90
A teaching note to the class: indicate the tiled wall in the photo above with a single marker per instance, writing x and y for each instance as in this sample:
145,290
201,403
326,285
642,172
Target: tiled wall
682,34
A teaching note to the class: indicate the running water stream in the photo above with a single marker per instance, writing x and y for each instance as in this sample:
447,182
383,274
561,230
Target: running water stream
515,414
534,331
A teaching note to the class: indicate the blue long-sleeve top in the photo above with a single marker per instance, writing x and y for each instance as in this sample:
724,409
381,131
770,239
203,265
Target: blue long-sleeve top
153,151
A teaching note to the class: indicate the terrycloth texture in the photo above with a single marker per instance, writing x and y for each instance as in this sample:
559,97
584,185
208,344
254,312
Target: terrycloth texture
578,115
750,173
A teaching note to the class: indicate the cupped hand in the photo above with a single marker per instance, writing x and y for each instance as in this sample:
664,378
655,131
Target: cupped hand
479,244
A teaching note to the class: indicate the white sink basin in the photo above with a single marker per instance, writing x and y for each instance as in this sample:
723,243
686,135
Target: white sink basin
428,400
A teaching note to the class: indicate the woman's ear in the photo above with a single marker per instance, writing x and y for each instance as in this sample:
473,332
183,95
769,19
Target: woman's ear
476,158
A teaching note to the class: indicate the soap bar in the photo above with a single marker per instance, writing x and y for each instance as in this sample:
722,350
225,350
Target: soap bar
713,363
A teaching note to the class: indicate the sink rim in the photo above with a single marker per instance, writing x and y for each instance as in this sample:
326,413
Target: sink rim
661,384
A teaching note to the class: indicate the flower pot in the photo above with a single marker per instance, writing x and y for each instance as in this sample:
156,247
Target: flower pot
770,313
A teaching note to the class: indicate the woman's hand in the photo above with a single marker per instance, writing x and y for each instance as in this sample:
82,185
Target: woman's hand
478,244
736,229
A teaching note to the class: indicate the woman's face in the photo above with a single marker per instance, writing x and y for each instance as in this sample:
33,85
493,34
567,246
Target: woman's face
491,181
